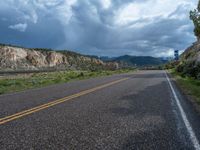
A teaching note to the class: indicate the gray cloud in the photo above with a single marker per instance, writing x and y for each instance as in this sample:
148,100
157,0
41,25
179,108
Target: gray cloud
20,27
99,27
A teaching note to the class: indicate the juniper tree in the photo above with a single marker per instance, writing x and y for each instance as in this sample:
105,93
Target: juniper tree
195,17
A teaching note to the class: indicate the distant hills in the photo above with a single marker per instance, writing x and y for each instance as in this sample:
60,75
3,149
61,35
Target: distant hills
136,60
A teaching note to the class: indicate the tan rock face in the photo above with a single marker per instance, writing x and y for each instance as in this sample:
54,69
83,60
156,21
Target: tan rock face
192,53
36,59
26,59
13,54
55,59
112,65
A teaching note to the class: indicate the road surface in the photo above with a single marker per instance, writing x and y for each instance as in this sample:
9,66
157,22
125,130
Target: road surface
143,110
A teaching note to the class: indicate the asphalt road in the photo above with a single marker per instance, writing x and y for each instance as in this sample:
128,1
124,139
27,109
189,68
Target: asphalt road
143,110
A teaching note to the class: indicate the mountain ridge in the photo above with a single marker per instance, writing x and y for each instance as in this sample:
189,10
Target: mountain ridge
140,61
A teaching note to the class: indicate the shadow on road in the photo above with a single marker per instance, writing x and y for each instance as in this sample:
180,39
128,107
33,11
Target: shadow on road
150,112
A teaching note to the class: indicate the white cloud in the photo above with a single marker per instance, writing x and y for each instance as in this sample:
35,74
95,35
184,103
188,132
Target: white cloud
64,11
31,11
20,27
166,53
106,3
149,10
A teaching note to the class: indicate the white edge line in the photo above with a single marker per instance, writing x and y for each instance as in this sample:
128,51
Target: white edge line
193,137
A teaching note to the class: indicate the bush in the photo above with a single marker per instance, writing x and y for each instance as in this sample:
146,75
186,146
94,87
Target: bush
191,69
81,74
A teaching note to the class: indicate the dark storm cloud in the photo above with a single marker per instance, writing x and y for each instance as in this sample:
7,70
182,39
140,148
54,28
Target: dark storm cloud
101,27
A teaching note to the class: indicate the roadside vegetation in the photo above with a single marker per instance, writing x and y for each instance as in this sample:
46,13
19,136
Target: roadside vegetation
186,71
189,85
10,84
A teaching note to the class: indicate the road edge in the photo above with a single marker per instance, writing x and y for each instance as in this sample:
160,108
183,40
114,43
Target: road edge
189,98
188,126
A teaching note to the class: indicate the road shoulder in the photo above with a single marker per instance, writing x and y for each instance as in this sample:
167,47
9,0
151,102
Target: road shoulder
189,98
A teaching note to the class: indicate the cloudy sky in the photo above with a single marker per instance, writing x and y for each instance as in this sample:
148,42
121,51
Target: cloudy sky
99,27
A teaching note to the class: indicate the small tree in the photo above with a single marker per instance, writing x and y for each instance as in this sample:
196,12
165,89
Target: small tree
195,17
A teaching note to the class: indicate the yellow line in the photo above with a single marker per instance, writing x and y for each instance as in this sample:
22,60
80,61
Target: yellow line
56,102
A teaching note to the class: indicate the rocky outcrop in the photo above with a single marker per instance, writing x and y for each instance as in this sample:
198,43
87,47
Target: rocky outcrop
189,64
192,53
14,58
112,65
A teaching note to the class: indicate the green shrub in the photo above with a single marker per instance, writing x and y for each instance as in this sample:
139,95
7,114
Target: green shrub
190,69
81,74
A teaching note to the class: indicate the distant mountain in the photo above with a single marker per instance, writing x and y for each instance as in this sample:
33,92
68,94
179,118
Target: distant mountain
106,58
136,60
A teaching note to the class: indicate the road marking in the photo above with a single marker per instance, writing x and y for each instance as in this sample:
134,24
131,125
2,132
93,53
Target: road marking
56,102
184,117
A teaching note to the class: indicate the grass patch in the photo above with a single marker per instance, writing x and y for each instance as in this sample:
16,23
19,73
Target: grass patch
190,85
37,80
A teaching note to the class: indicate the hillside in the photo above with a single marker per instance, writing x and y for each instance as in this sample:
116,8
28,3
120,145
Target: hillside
189,64
190,61
17,58
136,60
192,53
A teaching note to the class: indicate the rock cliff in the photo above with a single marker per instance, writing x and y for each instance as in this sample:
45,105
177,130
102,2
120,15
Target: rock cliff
192,53
15,58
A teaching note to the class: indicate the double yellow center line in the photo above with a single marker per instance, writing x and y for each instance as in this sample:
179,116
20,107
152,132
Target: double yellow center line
56,102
